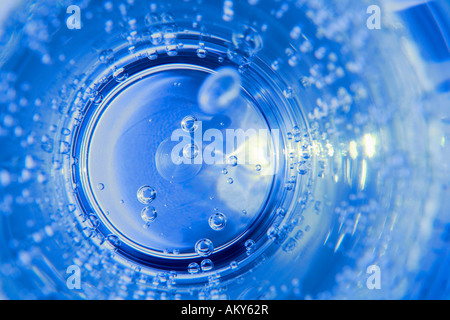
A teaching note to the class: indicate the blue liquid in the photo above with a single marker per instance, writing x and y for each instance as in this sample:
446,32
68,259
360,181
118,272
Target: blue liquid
356,177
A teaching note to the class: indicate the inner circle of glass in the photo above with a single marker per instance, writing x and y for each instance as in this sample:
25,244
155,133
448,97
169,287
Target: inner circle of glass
129,139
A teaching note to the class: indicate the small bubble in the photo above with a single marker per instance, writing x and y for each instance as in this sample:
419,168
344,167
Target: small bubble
190,151
189,124
172,50
302,168
156,37
258,167
250,246
230,180
224,171
288,93
281,212
100,186
204,247
149,214
120,75
146,194
193,268
113,240
201,52
272,233
93,221
297,134
217,221
248,40
152,54
232,161
207,265
290,245
219,91
306,83
299,235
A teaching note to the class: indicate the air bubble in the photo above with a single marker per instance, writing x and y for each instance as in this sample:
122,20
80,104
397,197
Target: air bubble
193,268
272,233
113,241
120,75
302,168
217,221
232,161
149,214
290,245
93,221
156,37
248,40
250,246
189,124
201,53
152,54
207,265
100,186
172,50
204,247
287,93
190,151
219,90
299,235
146,194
